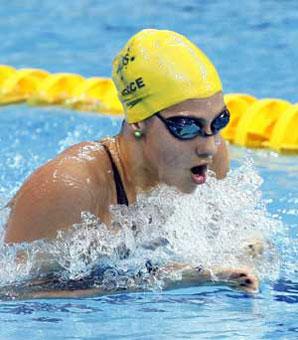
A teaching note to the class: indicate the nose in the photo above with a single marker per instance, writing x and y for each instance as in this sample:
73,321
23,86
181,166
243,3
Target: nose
207,146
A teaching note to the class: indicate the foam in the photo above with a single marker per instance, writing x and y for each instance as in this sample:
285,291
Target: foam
208,228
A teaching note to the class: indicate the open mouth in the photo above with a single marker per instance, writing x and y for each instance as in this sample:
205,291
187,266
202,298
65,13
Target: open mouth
199,173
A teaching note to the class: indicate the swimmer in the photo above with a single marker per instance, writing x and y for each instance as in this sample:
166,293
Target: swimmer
174,111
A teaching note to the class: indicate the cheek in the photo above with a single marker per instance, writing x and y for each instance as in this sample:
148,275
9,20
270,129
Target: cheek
169,152
172,154
165,151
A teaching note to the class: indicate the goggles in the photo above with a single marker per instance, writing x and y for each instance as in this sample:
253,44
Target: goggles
186,128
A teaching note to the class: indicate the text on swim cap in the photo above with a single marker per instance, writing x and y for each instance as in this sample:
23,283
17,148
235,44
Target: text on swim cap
125,60
133,86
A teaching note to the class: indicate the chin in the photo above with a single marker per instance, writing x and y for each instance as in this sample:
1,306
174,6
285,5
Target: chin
183,185
185,188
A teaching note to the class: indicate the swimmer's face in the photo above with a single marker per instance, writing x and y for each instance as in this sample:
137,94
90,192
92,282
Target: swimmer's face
183,163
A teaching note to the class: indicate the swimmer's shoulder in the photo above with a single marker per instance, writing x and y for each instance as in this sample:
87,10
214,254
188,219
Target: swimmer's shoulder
87,162
77,163
84,167
54,196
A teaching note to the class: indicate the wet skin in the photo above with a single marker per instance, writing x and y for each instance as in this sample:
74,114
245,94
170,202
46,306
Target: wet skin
171,159
80,178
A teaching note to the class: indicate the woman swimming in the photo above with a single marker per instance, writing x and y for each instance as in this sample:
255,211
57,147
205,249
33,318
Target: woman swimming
174,111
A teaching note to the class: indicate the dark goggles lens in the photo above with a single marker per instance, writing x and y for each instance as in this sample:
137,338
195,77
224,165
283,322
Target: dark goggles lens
189,127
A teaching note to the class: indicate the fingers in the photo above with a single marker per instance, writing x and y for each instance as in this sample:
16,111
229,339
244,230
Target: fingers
245,281
242,279
254,248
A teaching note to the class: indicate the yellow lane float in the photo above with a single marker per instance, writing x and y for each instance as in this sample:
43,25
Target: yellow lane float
56,89
284,137
237,103
95,94
5,72
21,85
257,123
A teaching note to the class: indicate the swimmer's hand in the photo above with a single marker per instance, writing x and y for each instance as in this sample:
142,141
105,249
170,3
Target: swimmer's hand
255,248
239,278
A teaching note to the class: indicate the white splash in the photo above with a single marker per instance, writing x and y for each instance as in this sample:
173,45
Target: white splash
208,228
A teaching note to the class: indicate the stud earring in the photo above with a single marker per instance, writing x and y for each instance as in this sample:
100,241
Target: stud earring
138,134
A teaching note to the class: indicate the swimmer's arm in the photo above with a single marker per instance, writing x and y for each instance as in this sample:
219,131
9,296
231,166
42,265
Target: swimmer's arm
241,278
46,204
221,162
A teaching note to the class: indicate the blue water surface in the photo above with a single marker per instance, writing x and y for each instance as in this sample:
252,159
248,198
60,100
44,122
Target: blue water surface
254,45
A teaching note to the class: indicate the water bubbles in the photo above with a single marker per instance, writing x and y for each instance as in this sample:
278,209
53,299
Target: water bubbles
16,161
223,224
81,132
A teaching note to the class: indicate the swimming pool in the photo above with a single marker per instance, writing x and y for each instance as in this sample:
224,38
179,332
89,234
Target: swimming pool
254,46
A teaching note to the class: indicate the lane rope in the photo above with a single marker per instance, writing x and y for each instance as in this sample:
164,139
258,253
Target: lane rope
256,123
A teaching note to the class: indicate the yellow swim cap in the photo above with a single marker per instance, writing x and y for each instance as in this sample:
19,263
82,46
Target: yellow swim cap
157,69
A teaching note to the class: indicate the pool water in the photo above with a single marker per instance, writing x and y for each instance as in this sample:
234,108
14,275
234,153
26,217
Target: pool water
254,46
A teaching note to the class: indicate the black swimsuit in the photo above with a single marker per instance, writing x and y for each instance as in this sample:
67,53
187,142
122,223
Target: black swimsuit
121,194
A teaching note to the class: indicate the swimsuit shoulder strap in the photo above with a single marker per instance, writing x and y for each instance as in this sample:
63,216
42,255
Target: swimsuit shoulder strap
121,194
